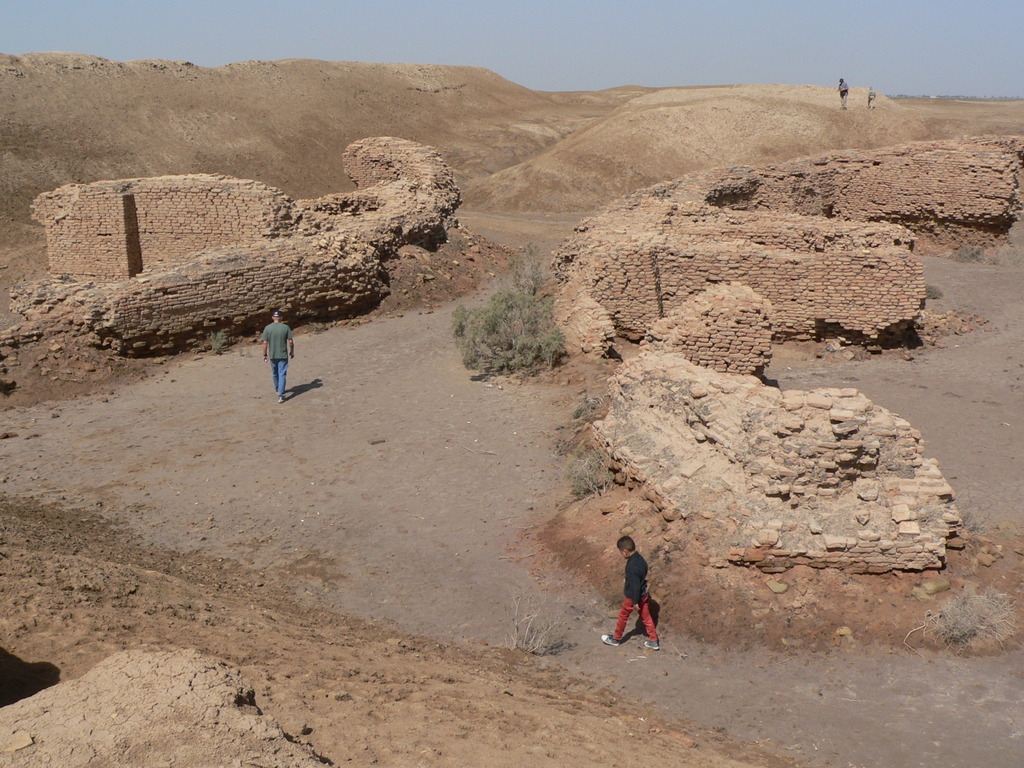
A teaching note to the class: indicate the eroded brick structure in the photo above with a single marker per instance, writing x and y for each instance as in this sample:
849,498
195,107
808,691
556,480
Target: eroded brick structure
725,328
773,479
644,257
110,231
146,266
946,192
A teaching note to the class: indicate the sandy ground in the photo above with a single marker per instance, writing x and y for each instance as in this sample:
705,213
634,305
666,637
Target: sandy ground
394,486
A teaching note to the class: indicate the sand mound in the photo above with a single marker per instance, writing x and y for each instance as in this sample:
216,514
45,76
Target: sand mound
676,131
148,708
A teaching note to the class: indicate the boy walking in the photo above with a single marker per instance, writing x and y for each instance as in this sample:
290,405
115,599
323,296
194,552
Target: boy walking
636,596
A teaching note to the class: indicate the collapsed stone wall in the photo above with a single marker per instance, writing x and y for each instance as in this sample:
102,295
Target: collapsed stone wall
110,231
217,254
644,257
725,328
946,192
773,479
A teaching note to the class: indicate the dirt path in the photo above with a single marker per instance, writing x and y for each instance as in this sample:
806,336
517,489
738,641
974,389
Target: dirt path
395,487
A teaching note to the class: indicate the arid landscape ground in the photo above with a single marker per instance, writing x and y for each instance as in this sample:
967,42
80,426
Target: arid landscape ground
357,550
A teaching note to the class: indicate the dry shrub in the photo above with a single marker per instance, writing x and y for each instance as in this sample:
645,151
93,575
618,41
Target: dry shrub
587,473
970,254
589,408
515,331
1008,256
526,274
531,631
974,622
217,341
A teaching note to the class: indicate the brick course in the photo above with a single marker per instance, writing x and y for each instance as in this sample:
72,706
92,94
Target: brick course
643,258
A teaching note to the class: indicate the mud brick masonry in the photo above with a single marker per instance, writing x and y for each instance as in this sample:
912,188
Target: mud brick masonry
113,230
947,192
828,241
773,479
725,328
153,266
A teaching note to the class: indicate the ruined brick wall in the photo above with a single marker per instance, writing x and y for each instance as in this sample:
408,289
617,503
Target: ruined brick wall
230,289
949,192
644,257
407,195
213,253
111,230
824,478
725,328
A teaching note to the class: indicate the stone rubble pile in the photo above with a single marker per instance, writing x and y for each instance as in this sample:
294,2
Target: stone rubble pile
773,479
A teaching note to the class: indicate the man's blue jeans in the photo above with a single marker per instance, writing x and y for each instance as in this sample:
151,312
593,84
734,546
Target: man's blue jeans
279,369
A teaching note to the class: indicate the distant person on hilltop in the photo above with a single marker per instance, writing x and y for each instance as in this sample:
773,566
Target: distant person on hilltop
871,97
844,91
278,347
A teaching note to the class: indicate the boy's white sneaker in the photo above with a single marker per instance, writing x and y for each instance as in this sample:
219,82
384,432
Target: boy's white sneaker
609,640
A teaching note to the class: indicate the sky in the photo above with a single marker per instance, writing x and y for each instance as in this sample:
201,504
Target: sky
905,47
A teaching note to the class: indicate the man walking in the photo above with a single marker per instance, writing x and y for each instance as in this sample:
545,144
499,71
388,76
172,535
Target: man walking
278,347
844,91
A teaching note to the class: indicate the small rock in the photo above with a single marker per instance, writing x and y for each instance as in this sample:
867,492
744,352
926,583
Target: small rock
19,740
935,585
777,587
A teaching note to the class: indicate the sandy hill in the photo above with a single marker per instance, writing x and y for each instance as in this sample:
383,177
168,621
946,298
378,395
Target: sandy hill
74,118
67,117
675,131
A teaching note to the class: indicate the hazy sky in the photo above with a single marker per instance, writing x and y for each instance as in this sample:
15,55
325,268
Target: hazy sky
939,47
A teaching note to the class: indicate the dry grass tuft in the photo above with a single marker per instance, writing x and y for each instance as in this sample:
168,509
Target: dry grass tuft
974,622
532,632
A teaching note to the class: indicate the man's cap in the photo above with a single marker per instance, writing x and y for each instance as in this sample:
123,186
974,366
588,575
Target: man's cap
277,313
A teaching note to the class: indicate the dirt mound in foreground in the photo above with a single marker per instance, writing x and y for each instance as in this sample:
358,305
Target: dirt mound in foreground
149,708
353,692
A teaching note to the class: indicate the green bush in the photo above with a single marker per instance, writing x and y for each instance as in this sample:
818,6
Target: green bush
217,341
514,332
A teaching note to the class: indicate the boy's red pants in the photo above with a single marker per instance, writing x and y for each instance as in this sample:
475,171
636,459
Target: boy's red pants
645,616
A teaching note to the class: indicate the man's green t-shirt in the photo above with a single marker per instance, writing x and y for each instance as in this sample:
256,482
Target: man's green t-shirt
276,335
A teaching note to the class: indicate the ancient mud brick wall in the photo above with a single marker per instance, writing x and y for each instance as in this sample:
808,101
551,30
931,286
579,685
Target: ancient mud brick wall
229,289
824,478
112,230
644,257
948,192
725,328
407,195
216,254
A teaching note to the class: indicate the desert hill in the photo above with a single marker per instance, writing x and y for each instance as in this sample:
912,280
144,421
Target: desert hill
675,131
76,118
70,117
